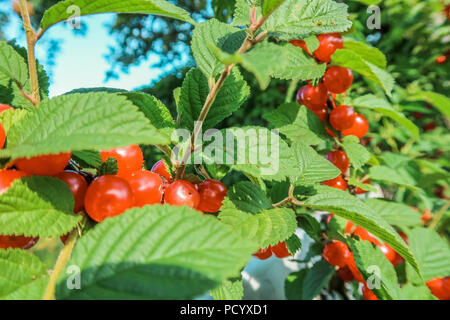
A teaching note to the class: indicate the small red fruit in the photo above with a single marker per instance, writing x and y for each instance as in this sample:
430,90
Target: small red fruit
338,79
338,183
429,126
345,274
160,168
337,254
212,192
129,159
7,177
48,165
342,118
2,136
440,288
263,254
441,59
18,242
322,114
368,294
361,191
314,98
359,128
388,252
328,44
108,196
77,185
339,159
365,235
426,216
147,187
354,269
301,44
182,193
280,250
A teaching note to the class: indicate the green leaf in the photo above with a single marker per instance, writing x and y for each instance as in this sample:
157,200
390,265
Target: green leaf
295,19
77,122
357,154
389,175
24,276
195,90
37,206
313,167
308,283
370,54
438,100
12,65
155,252
297,123
312,43
310,225
351,208
432,253
109,167
269,6
410,292
293,244
10,118
88,158
397,214
266,228
248,197
228,290
382,106
376,270
350,59
211,32
62,11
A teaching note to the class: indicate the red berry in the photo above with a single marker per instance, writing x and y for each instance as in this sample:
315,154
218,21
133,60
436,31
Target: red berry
365,235
441,59
322,114
397,260
339,159
77,185
338,79
361,191
147,187
212,192
368,294
18,242
160,168
328,44
388,252
342,118
182,193
2,136
48,165
280,250
338,183
354,269
345,274
129,159
426,216
418,115
108,196
314,98
429,126
337,254
4,107
359,128
7,177
301,44
440,288
263,254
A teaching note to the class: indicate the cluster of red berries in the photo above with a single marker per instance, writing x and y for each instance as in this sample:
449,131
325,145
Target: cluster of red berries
279,250
111,195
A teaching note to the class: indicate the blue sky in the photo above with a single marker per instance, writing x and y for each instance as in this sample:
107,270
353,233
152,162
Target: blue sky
81,61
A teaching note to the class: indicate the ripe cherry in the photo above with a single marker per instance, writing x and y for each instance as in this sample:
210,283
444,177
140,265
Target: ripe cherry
301,44
322,114
388,252
365,235
147,187
328,44
429,126
4,107
108,196
339,159
354,269
359,128
212,192
263,254
48,165
441,60
440,288
342,118
280,250
345,274
161,169
7,177
182,193
361,191
314,98
2,136
338,183
18,242
368,294
337,254
426,216
129,159
77,185
338,79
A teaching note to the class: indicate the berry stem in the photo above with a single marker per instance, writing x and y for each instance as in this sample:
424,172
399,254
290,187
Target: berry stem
31,42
